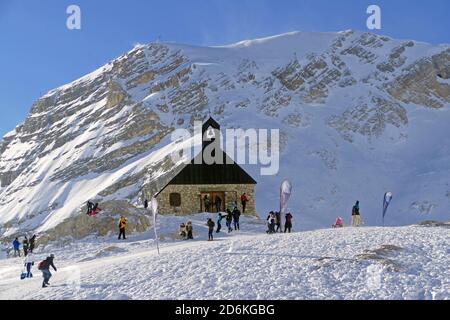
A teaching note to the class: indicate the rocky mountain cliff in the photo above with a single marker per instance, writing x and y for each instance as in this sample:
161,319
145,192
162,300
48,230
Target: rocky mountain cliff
358,114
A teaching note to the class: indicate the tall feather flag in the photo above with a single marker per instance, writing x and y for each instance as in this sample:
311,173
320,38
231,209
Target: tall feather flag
386,200
285,194
154,205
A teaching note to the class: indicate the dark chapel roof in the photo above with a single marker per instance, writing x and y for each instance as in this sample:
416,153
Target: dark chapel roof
227,172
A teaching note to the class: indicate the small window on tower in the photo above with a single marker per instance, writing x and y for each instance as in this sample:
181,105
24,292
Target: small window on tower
175,199
210,134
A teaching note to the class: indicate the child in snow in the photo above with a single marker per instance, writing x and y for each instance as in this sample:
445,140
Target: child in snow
211,226
16,247
28,263
338,223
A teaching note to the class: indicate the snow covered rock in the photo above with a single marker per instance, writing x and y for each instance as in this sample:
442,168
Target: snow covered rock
359,114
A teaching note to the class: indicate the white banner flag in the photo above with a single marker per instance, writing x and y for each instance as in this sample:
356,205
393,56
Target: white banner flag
154,206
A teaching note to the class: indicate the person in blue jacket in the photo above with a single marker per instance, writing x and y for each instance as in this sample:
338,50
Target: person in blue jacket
16,247
219,222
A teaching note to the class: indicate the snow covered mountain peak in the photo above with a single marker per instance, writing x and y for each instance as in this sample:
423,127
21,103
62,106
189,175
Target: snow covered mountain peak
359,114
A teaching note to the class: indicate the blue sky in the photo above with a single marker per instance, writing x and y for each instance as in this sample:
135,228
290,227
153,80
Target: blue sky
39,53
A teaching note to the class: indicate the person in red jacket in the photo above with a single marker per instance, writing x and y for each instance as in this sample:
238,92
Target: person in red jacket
244,201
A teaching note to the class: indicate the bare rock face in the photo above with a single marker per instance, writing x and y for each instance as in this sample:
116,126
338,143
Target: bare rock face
104,135
369,119
421,83
105,223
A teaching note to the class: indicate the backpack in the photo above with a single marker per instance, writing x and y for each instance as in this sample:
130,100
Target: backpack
41,265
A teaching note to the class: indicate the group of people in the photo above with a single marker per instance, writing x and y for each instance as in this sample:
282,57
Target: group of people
217,202
356,218
92,209
43,266
27,245
274,222
231,220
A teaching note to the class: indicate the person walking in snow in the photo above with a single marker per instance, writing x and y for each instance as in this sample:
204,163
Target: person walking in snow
356,217
16,247
25,246
288,222
122,225
278,221
219,222
32,243
236,217
244,201
44,266
189,230
211,226
229,220
28,263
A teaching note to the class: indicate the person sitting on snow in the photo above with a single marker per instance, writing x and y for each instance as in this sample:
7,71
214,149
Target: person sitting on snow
338,223
272,226
270,217
95,210
182,232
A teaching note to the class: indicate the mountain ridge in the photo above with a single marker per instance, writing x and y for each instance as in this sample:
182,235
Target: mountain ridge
343,98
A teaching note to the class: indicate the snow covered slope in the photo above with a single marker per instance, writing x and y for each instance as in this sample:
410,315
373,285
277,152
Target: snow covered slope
359,114
351,263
